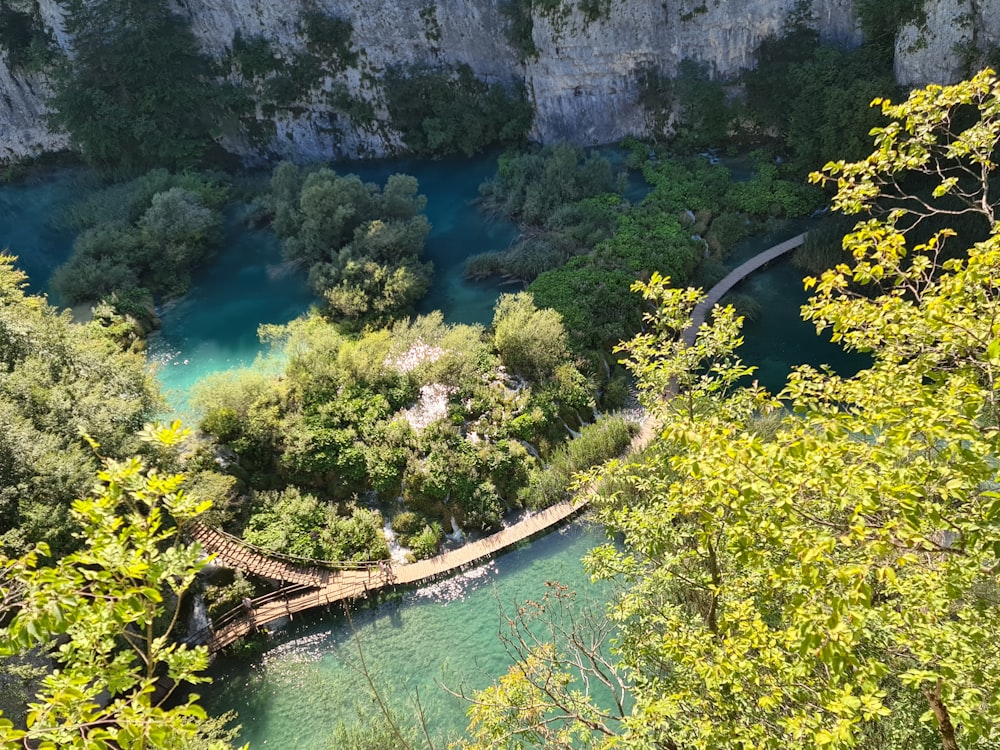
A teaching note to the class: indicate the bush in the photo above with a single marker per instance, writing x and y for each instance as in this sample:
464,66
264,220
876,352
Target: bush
531,187
427,542
362,244
815,96
223,597
298,524
598,442
114,99
141,238
531,342
440,112
24,38
407,522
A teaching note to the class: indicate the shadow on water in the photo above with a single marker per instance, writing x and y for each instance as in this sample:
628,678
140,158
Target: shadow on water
27,227
778,339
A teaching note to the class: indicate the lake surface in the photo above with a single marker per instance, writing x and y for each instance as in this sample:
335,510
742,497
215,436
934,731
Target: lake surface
29,212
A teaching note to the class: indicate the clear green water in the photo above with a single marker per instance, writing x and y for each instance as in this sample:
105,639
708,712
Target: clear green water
444,634
778,339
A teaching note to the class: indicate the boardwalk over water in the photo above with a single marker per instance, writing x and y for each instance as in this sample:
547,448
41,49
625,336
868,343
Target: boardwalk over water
323,587
733,278
307,584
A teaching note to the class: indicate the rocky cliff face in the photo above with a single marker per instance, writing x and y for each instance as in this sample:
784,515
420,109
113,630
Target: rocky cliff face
955,38
584,80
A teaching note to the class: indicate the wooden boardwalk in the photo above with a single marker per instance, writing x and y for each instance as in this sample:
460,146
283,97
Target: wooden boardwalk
344,585
232,552
733,278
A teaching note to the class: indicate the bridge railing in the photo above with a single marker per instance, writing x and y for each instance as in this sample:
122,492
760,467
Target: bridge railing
303,562
240,612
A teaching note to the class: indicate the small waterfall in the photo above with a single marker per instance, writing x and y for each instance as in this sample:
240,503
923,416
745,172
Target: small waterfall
396,551
572,433
198,619
532,450
456,534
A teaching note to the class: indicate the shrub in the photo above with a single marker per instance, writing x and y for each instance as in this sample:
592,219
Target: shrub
407,522
440,111
597,443
114,99
531,341
427,542
531,187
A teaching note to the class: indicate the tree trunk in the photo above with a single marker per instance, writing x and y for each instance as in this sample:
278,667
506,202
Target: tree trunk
945,727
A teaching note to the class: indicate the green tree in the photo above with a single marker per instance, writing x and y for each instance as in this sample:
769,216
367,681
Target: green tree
108,615
362,245
531,342
828,577
136,92
442,111
56,379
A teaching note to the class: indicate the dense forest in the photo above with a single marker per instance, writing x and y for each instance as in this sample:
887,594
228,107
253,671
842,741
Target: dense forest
812,568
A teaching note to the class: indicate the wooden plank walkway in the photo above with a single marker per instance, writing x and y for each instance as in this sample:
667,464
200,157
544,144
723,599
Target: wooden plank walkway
231,552
733,278
345,585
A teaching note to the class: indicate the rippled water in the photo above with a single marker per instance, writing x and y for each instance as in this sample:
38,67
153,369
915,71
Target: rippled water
444,635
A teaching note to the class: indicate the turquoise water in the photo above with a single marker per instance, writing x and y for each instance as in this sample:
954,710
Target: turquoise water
214,327
444,635
27,229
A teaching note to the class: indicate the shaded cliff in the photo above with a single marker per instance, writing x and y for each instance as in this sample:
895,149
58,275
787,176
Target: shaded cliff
581,63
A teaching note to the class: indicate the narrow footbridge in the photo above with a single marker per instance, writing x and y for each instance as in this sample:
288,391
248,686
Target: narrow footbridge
733,278
308,584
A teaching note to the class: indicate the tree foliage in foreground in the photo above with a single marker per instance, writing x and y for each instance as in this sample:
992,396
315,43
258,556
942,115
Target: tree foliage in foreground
56,379
825,578
107,615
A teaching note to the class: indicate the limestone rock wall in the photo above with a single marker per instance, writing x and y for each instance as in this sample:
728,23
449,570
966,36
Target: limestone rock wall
23,127
386,33
583,82
953,40
586,78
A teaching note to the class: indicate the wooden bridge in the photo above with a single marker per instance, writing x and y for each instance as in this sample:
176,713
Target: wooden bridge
733,278
316,583
307,584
